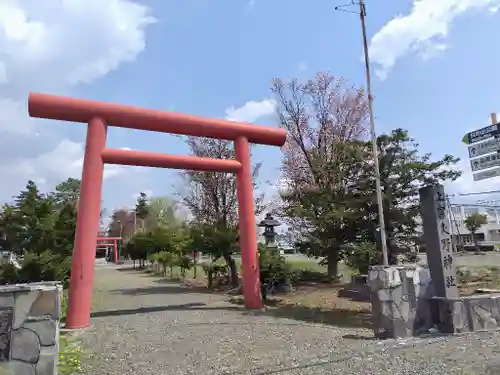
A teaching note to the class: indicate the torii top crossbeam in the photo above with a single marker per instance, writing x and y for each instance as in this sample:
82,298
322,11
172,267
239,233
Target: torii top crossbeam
55,107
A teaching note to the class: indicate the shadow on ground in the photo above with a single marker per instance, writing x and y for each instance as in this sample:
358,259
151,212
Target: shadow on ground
347,318
154,309
331,316
165,287
335,317
132,269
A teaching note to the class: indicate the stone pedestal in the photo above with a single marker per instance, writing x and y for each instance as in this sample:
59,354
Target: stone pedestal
480,312
29,328
400,300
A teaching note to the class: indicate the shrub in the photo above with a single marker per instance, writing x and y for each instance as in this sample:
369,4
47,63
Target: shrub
360,257
45,266
185,263
217,274
410,257
275,273
166,261
309,275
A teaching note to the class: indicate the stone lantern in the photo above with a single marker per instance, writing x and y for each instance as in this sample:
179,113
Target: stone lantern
269,223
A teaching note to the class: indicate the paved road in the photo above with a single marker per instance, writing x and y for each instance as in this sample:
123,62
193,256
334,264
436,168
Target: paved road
142,325
488,259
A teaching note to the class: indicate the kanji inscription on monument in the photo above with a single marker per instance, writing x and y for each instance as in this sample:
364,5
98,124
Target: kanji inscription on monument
437,238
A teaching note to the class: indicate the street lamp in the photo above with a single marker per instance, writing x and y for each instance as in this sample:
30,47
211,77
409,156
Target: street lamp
121,227
135,219
284,188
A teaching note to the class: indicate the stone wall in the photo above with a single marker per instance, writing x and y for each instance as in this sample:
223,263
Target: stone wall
404,305
29,328
479,312
400,300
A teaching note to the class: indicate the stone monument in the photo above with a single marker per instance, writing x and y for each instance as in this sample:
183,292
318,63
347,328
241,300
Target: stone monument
404,297
409,300
438,241
29,328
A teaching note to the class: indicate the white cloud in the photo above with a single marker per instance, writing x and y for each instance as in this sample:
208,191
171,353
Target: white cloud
71,42
251,111
49,168
53,46
423,31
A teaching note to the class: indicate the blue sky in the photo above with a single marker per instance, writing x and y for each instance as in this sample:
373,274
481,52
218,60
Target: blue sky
434,65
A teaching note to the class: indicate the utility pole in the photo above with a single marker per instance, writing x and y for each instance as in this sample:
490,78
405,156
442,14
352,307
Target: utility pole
378,185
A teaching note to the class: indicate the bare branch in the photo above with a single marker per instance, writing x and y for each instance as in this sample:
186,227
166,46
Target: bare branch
210,196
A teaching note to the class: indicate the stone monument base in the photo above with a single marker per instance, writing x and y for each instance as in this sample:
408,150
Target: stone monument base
480,312
29,328
400,300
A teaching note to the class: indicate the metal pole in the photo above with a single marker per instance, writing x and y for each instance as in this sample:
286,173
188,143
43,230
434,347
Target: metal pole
135,221
383,235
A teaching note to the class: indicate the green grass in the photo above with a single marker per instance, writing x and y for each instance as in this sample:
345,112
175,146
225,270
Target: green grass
176,273
310,265
64,304
71,354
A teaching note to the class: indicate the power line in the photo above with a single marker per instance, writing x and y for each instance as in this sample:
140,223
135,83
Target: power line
474,193
473,205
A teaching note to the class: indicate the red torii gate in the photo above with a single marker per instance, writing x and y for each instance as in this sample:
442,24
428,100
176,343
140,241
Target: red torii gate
114,244
99,115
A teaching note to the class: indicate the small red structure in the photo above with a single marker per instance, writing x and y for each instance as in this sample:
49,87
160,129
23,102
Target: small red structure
106,243
99,116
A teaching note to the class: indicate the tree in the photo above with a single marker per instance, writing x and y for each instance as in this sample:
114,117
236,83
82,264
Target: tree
140,246
41,229
403,171
474,222
161,213
122,224
142,208
323,117
28,222
330,170
211,199
64,230
67,191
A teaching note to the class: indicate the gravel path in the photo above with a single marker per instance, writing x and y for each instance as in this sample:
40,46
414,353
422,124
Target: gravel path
144,326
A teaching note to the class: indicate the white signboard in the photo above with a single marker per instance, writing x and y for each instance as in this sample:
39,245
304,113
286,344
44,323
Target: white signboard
487,174
481,134
491,145
484,162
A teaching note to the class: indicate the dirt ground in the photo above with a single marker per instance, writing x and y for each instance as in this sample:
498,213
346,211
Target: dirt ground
311,302
324,303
